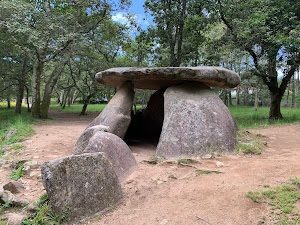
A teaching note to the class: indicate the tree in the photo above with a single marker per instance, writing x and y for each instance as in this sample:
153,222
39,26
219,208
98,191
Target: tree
269,31
47,31
178,29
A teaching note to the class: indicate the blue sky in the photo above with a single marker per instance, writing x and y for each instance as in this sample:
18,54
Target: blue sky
137,9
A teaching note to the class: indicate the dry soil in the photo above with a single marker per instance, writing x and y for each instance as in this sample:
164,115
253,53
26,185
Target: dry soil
168,193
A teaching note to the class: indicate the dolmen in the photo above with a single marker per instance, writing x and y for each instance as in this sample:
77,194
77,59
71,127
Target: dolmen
185,116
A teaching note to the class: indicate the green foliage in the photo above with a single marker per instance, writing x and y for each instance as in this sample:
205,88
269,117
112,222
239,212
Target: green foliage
20,125
17,146
248,143
112,208
5,206
282,200
172,176
76,108
156,159
16,174
45,215
184,161
200,172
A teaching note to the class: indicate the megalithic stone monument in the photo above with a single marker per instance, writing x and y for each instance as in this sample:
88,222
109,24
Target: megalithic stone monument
195,120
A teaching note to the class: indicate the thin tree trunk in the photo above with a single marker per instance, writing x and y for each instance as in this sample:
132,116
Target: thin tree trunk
293,92
287,95
8,100
36,88
256,97
22,80
246,96
85,104
52,82
238,95
27,99
229,97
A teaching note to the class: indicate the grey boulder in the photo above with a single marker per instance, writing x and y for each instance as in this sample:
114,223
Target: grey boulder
14,187
81,185
85,137
117,152
196,122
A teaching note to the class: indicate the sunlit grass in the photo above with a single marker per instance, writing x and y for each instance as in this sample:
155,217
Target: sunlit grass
246,117
76,108
18,125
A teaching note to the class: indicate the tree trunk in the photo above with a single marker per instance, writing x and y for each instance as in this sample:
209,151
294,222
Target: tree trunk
293,92
229,98
287,95
21,86
238,96
8,100
256,98
27,99
36,88
52,82
85,104
246,96
275,106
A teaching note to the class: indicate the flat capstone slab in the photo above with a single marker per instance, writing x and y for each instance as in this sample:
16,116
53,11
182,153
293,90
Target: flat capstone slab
160,77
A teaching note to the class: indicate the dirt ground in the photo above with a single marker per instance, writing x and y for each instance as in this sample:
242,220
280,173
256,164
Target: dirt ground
155,197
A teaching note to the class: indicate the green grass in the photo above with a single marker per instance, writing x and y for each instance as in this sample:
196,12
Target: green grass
282,200
76,108
20,126
45,215
17,174
248,143
246,117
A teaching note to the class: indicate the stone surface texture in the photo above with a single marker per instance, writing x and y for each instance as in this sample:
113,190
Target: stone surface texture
85,137
160,77
116,115
85,184
6,196
196,122
116,151
14,187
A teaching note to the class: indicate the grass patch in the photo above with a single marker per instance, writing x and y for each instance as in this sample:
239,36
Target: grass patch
15,127
184,161
17,146
200,172
249,143
156,159
282,200
45,215
172,176
76,108
17,174
246,117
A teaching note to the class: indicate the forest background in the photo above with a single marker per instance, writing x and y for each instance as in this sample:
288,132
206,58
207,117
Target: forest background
51,49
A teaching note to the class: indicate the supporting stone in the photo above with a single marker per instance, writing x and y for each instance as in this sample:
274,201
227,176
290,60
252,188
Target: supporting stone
196,122
81,185
116,115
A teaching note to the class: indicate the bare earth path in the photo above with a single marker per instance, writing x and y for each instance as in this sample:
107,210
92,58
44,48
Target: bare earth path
152,197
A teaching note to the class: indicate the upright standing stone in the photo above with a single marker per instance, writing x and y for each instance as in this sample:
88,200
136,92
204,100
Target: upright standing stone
81,185
116,115
196,122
